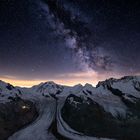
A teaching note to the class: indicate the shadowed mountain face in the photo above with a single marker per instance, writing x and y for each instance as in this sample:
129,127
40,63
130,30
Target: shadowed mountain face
14,115
110,110
91,119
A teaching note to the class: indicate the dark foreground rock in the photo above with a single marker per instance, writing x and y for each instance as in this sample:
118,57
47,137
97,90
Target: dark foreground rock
14,115
91,119
109,110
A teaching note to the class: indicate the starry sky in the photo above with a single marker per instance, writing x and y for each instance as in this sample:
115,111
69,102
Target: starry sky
68,41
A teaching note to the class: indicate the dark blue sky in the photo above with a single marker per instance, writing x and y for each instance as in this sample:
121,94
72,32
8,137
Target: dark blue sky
68,40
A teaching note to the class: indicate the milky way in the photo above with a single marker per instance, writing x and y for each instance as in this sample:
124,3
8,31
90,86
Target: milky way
55,39
80,28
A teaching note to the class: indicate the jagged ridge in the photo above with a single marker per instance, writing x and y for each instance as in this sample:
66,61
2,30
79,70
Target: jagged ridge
112,107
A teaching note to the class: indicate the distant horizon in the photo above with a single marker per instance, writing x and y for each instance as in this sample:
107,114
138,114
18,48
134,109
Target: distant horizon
68,41
30,83
89,50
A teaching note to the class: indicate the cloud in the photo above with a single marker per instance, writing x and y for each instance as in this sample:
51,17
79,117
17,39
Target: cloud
84,77
8,77
79,75
69,79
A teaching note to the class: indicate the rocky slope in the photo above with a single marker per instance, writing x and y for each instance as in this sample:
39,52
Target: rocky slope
14,115
111,110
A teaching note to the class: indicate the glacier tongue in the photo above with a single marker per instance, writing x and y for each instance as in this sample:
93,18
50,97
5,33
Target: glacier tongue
38,129
116,96
50,109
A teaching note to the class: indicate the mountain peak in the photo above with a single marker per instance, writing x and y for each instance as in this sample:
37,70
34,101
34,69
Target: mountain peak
48,83
2,82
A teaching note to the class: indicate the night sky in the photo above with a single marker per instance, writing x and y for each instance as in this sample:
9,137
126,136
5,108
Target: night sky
68,41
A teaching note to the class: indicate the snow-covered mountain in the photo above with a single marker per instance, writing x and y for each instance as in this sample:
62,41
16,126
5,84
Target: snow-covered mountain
111,110
8,91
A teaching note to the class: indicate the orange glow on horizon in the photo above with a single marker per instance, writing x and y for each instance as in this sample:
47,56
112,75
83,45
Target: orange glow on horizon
69,79
30,83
